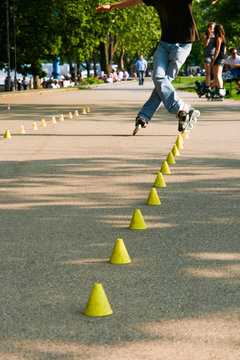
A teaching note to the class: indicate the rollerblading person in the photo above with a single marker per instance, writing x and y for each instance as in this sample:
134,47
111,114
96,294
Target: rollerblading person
178,33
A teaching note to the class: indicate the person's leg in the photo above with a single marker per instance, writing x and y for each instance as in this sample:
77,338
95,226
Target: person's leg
160,58
140,77
207,68
218,80
167,61
178,54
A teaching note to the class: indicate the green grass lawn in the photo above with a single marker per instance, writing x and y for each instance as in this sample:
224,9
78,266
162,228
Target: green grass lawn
187,84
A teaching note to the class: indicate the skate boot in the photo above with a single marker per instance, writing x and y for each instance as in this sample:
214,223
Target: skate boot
186,118
221,92
140,122
208,93
216,96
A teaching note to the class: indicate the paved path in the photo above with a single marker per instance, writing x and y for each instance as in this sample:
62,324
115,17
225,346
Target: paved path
69,190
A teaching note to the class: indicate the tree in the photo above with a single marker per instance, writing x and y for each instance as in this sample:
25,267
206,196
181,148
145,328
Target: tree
131,31
227,13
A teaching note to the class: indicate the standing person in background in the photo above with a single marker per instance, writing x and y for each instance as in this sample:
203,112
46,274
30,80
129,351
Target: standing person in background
141,65
19,85
209,50
218,61
24,83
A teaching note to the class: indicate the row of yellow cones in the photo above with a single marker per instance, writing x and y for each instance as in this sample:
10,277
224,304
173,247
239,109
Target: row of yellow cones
7,134
98,304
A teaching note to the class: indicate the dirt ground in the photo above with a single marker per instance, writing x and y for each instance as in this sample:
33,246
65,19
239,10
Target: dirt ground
69,190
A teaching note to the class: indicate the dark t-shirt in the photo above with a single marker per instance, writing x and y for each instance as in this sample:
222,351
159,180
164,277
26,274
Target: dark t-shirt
178,25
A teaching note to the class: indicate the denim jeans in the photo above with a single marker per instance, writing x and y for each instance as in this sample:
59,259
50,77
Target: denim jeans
141,77
167,61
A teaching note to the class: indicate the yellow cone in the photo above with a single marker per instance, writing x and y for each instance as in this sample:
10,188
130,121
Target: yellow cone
175,151
119,254
76,113
137,222
165,168
98,304
185,134
53,120
153,198
34,126
159,181
43,123
7,135
61,118
21,130
179,142
88,109
83,111
70,115
170,158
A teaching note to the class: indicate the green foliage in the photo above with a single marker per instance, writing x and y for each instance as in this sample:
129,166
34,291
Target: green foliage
91,80
139,31
227,13
72,30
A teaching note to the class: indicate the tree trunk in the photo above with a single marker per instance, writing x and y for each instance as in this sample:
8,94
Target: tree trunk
121,59
106,54
110,46
36,82
88,62
72,70
102,57
94,66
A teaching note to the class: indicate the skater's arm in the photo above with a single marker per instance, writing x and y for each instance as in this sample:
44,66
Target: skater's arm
119,5
214,2
236,66
205,40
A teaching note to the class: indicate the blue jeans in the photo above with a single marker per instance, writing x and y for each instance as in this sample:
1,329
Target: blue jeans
141,77
167,61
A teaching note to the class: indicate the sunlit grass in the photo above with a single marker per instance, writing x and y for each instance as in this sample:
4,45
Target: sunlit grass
187,84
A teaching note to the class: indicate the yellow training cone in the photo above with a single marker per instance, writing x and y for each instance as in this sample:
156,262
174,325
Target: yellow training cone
179,142
170,158
83,111
43,123
53,120
34,126
76,113
98,304
159,181
137,222
21,130
61,118
185,135
175,151
88,109
165,168
153,198
70,115
119,254
7,135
